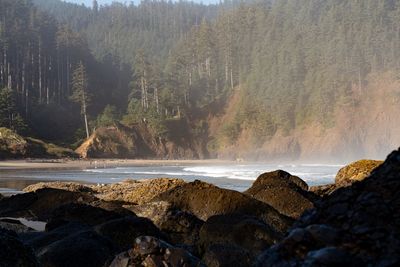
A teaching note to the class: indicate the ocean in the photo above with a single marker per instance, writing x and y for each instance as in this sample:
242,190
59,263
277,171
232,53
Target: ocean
231,176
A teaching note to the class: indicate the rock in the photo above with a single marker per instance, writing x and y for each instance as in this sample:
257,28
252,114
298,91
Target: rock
330,256
13,145
124,231
205,200
156,211
82,249
137,192
38,205
80,213
280,177
130,191
238,230
40,240
356,171
226,256
182,227
66,186
286,193
323,190
13,252
357,225
153,252
14,225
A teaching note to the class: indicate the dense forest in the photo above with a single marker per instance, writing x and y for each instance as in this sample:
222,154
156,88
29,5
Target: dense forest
237,72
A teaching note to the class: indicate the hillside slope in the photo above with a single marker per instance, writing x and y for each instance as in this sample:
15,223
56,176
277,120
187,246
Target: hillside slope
368,125
140,141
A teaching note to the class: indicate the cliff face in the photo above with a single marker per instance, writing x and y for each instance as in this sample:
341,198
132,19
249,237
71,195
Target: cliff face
369,126
139,141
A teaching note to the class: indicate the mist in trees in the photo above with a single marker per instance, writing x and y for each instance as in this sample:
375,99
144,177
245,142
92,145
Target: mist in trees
292,62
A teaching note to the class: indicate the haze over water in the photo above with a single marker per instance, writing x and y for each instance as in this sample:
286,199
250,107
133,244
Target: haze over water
231,176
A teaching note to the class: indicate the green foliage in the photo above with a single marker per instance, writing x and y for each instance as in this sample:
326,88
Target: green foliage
231,131
7,107
295,62
108,117
9,116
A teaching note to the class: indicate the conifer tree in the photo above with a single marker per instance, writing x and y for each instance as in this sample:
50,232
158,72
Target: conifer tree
81,93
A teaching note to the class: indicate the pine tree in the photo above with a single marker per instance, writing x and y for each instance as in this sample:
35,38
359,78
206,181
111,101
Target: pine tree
80,93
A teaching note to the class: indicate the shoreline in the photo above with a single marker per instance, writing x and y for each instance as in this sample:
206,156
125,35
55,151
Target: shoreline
26,164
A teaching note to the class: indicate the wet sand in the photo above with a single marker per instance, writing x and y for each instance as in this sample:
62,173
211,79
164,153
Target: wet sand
11,183
101,163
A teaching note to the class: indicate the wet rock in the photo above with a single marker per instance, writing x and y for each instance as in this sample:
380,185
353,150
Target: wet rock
323,190
40,240
80,213
331,257
286,193
150,251
14,225
13,252
66,186
226,256
181,227
156,211
242,231
82,249
129,191
38,205
205,200
356,225
124,231
137,192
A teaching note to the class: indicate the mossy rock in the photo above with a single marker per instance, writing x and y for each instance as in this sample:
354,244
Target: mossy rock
12,145
356,171
38,148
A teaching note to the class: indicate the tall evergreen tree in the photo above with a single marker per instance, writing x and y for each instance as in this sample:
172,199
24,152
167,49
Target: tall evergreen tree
81,95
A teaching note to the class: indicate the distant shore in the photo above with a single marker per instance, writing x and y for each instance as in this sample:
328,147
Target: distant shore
99,163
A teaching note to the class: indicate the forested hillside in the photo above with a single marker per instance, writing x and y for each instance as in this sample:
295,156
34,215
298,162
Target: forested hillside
38,59
293,79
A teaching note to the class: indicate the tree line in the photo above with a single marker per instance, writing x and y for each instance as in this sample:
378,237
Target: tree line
292,62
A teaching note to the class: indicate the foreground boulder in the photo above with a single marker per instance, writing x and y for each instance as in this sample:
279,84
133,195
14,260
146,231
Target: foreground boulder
14,225
80,213
79,250
131,191
226,256
241,231
181,227
38,205
358,225
205,200
124,231
356,171
150,251
286,193
13,252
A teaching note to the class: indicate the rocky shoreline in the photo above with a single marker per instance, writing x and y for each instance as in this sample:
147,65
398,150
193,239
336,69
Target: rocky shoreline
279,221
